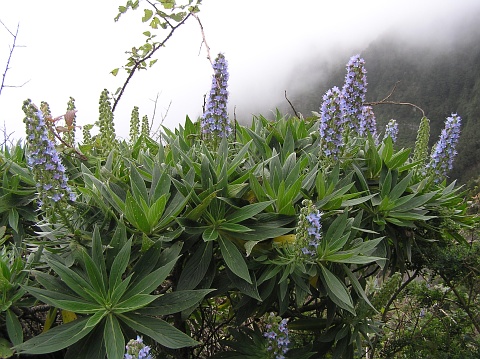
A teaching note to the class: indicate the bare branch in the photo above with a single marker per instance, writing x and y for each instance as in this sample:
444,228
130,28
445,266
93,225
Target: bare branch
291,105
7,66
385,101
145,58
204,40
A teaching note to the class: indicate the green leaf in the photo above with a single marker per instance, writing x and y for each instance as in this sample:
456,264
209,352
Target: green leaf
76,282
246,287
151,281
196,267
159,330
155,212
232,227
247,212
114,72
113,337
137,183
14,328
148,15
13,219
174,302
64,301
210,234
337,290
55,339
119,265
135,214
234,259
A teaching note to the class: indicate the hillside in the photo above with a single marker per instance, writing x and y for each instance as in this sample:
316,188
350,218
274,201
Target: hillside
439,72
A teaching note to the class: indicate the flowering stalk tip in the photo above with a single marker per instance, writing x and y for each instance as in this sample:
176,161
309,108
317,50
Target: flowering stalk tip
214,122
443,153
44,160
136,349
277,336
309,230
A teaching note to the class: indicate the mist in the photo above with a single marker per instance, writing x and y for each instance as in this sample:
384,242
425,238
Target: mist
272,46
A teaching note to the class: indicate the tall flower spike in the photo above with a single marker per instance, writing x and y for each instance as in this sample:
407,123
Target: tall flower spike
420,152
391,130
277,337
214,122
331,125
309,230
70,122
105,122
354,92
134,125
145,130
44,160
443,153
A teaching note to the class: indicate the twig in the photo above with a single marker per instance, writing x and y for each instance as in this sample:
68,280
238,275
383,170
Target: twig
7,66
291,105
145,58
385,101
397,292
204,41
154,109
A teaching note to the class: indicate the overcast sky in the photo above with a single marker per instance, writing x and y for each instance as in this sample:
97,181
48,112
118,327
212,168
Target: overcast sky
70,47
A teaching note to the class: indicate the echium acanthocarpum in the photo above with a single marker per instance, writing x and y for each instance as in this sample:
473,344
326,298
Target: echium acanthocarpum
134,125
105,123
444,151
368,122
391,130
331,125
70,123
45,162
136,349
277,337
354,93
420,152
214,122
309,230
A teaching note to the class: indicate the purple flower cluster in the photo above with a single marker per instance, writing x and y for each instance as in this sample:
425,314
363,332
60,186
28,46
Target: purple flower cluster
309,229
367,122
215,119
44,160
331,124
441,159
277,336
354,92
391,130
136,349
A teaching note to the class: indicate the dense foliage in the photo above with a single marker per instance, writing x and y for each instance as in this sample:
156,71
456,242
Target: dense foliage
260,241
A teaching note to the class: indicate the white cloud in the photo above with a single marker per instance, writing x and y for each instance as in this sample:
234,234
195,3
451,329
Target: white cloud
72,46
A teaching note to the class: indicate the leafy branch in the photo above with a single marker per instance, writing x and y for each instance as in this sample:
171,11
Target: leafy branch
158,18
